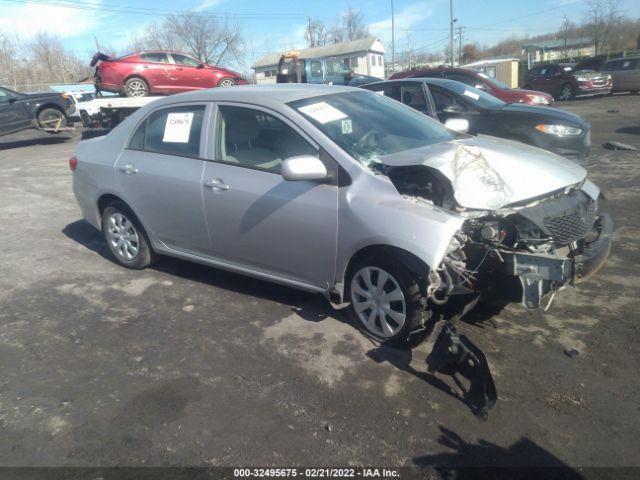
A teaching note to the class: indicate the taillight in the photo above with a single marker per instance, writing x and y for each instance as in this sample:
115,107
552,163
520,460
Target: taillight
73,163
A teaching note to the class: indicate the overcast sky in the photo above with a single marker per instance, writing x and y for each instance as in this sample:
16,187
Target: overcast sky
275,25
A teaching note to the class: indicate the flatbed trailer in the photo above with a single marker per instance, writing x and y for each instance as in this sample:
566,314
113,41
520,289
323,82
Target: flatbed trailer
107,112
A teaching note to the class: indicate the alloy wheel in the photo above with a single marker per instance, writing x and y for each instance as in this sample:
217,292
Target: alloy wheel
136,88
123,237
378,301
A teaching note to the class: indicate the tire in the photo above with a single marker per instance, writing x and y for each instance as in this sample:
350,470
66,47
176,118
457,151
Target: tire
51,118
86,121
407,302
136,87
566,92
226,82
126,238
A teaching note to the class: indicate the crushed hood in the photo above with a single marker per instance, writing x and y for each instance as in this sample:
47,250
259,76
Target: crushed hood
488,173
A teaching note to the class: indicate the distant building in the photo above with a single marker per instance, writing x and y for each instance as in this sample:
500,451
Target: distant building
364,56
503,69
548,50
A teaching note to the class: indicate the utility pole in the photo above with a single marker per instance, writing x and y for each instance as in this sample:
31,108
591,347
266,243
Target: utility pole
309,33
452,38
460,33
393,41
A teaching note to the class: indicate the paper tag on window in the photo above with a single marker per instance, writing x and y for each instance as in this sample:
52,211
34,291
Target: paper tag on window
178,127
322,112
380,92
347,127
473,95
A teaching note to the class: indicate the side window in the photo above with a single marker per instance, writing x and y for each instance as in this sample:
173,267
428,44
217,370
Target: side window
137,141
392,91
612,65
445,101
157,57
184,60
253,138
467,80
630,64
413,96
316,68
5,96
171,131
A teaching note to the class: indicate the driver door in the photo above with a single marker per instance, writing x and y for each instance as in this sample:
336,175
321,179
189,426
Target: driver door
187,76
13,112
257,219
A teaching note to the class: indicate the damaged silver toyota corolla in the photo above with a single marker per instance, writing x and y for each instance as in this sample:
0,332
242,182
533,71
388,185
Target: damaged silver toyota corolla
344,192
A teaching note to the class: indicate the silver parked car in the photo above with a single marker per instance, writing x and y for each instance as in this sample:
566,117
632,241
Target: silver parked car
625,73
341,191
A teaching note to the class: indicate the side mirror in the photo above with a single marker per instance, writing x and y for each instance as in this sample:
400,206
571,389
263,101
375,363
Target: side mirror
200,65
12,100
457,124
304,167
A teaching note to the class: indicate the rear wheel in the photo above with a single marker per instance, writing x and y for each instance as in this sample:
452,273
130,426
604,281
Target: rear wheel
386,302
226,82
125,237
51,120
136,87
566,92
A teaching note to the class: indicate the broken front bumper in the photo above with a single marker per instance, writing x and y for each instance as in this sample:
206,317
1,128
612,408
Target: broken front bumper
540,274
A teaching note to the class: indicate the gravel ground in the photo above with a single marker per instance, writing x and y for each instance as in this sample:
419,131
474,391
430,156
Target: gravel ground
186,365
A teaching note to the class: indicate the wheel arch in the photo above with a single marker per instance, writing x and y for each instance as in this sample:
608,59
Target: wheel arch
409,260
136,75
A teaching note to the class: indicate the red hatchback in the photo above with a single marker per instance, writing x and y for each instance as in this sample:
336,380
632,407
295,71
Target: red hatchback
483,82
158,72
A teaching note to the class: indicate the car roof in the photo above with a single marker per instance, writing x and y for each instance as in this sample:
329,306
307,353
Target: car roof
272,94
431,81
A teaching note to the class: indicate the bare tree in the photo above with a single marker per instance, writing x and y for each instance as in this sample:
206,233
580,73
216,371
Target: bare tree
209,39
350,26
317,33
567,26
470,53
603,16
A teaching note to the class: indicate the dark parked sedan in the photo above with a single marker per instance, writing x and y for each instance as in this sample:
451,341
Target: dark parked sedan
50,112
468,109
565,83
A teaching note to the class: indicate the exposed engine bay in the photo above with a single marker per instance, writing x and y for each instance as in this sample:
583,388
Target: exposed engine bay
542,244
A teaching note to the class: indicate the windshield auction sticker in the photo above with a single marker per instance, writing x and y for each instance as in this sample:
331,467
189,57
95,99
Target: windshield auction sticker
322,112
178,127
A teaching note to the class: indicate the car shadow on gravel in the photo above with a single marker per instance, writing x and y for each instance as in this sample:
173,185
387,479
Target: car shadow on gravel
83,233
521,460
29,142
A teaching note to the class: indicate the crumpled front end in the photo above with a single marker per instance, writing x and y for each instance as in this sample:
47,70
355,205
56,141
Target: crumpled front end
512,239
545,245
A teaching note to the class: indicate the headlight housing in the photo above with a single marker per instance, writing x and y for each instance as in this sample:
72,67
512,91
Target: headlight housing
559,130
538,99
582,79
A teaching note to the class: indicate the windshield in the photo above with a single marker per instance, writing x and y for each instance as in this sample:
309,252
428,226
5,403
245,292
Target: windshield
474,95
368,126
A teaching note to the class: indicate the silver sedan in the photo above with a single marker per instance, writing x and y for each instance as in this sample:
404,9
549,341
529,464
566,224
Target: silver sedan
340,191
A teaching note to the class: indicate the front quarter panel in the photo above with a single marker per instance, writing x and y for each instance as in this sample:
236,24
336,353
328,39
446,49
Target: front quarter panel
372,212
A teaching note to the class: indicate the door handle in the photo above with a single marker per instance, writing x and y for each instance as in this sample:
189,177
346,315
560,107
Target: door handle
178,68
217,184
129,169
145,66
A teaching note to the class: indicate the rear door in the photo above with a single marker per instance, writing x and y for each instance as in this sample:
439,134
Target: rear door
13,112
158,70
160,173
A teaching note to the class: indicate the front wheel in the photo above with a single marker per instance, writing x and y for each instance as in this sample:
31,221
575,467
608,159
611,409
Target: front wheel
226,82
52,120
386,301
566,92
125,237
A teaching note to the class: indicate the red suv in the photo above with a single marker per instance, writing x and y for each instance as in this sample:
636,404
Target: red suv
483,82
158,72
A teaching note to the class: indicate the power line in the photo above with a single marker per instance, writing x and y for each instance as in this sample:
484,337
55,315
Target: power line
104,7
